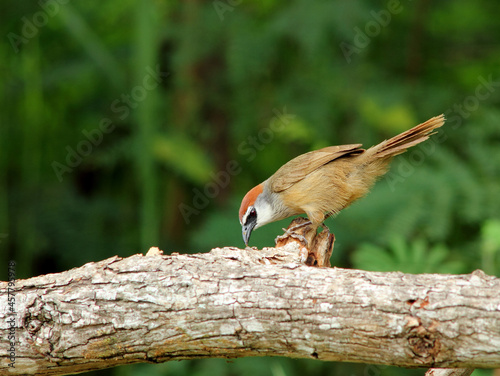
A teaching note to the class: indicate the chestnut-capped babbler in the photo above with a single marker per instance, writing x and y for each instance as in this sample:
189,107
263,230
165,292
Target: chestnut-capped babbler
325,181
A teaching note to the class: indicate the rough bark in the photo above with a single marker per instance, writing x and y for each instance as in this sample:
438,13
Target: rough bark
235,303
449,372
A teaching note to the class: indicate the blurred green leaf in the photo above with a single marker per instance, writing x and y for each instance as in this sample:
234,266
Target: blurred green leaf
490,246
296,129
184,156
395,117
415,257
490,233
78,27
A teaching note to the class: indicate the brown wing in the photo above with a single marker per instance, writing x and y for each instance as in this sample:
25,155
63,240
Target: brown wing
301,166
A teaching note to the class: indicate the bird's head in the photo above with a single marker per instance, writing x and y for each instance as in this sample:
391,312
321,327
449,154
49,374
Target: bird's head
255,211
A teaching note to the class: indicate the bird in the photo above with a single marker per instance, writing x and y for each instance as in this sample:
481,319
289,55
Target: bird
322,182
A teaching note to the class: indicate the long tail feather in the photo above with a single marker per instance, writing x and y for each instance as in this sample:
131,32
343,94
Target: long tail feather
400,143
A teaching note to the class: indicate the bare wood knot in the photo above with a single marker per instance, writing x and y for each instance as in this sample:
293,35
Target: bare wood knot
424,342
42,324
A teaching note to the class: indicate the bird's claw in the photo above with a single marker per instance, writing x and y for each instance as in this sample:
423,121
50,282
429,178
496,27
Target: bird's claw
290,233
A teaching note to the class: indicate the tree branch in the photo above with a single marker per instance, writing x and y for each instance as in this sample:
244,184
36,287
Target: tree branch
234,303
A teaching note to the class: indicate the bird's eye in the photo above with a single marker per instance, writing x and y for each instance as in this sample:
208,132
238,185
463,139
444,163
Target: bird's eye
251,216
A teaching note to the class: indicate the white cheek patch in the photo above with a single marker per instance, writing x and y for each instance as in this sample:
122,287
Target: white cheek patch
265,214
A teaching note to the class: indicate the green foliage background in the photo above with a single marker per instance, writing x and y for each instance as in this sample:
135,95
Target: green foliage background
244,87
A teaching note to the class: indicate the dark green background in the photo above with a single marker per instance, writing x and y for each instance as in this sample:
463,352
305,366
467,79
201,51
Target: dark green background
99,155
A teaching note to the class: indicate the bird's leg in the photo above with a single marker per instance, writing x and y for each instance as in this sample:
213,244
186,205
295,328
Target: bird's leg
296,227
307,223
323,224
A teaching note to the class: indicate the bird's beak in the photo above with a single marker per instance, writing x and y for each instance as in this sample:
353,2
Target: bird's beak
247,230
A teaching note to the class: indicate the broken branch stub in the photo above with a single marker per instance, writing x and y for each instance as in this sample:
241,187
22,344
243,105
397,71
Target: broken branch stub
319,246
